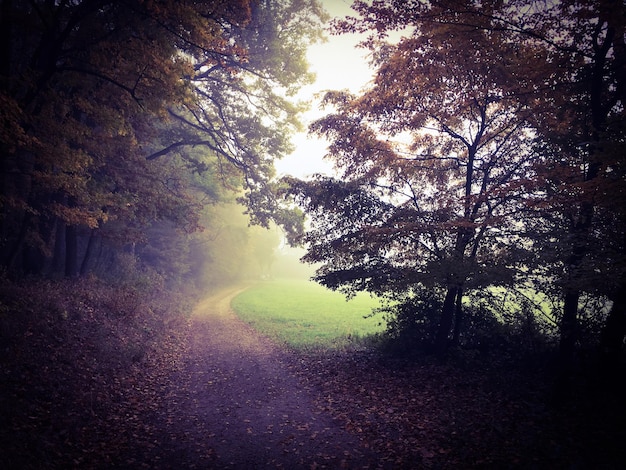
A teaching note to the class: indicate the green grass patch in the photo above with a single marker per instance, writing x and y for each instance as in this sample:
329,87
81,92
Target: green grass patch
305,315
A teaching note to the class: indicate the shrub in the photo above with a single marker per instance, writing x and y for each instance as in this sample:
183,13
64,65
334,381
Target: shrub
411,321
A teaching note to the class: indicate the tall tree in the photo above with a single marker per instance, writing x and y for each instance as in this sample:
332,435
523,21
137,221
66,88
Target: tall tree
554,73
436,207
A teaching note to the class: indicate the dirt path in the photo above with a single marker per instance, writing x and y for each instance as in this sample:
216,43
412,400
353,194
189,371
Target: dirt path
237,405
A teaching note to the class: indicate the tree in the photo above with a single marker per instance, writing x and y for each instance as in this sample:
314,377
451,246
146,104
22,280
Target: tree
437,206
579,118
553,73
106,106
591,40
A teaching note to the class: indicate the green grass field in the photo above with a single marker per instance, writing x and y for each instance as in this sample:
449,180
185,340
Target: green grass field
306,315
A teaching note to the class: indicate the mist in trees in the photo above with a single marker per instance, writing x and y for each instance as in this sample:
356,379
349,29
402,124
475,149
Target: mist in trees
125,124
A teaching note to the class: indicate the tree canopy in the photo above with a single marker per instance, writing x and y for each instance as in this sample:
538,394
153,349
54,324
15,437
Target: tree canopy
481,157
114,113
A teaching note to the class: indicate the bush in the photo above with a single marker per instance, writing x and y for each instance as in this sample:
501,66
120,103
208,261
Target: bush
411,321
516,333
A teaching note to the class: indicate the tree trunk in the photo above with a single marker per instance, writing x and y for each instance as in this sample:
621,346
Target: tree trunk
58,259
84,266
567,344
445,324
458,318
71,251
613,333
32,260
569,326
6,38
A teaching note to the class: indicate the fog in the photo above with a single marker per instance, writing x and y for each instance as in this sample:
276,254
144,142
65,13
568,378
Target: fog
287,264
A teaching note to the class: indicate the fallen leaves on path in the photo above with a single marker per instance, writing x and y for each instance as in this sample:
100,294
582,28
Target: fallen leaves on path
85,388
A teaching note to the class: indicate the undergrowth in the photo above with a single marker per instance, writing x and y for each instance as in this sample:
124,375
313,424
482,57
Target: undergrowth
73,356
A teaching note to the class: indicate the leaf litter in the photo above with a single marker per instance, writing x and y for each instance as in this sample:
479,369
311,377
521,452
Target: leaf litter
210,392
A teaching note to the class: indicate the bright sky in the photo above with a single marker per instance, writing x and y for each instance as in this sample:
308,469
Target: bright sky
338,65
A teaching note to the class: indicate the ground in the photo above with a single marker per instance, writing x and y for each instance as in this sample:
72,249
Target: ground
236,404
92,381
241,401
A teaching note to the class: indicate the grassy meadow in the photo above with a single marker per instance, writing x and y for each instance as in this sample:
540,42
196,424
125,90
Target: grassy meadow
305,315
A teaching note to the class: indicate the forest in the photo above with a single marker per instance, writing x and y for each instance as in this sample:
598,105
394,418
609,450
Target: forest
479,188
